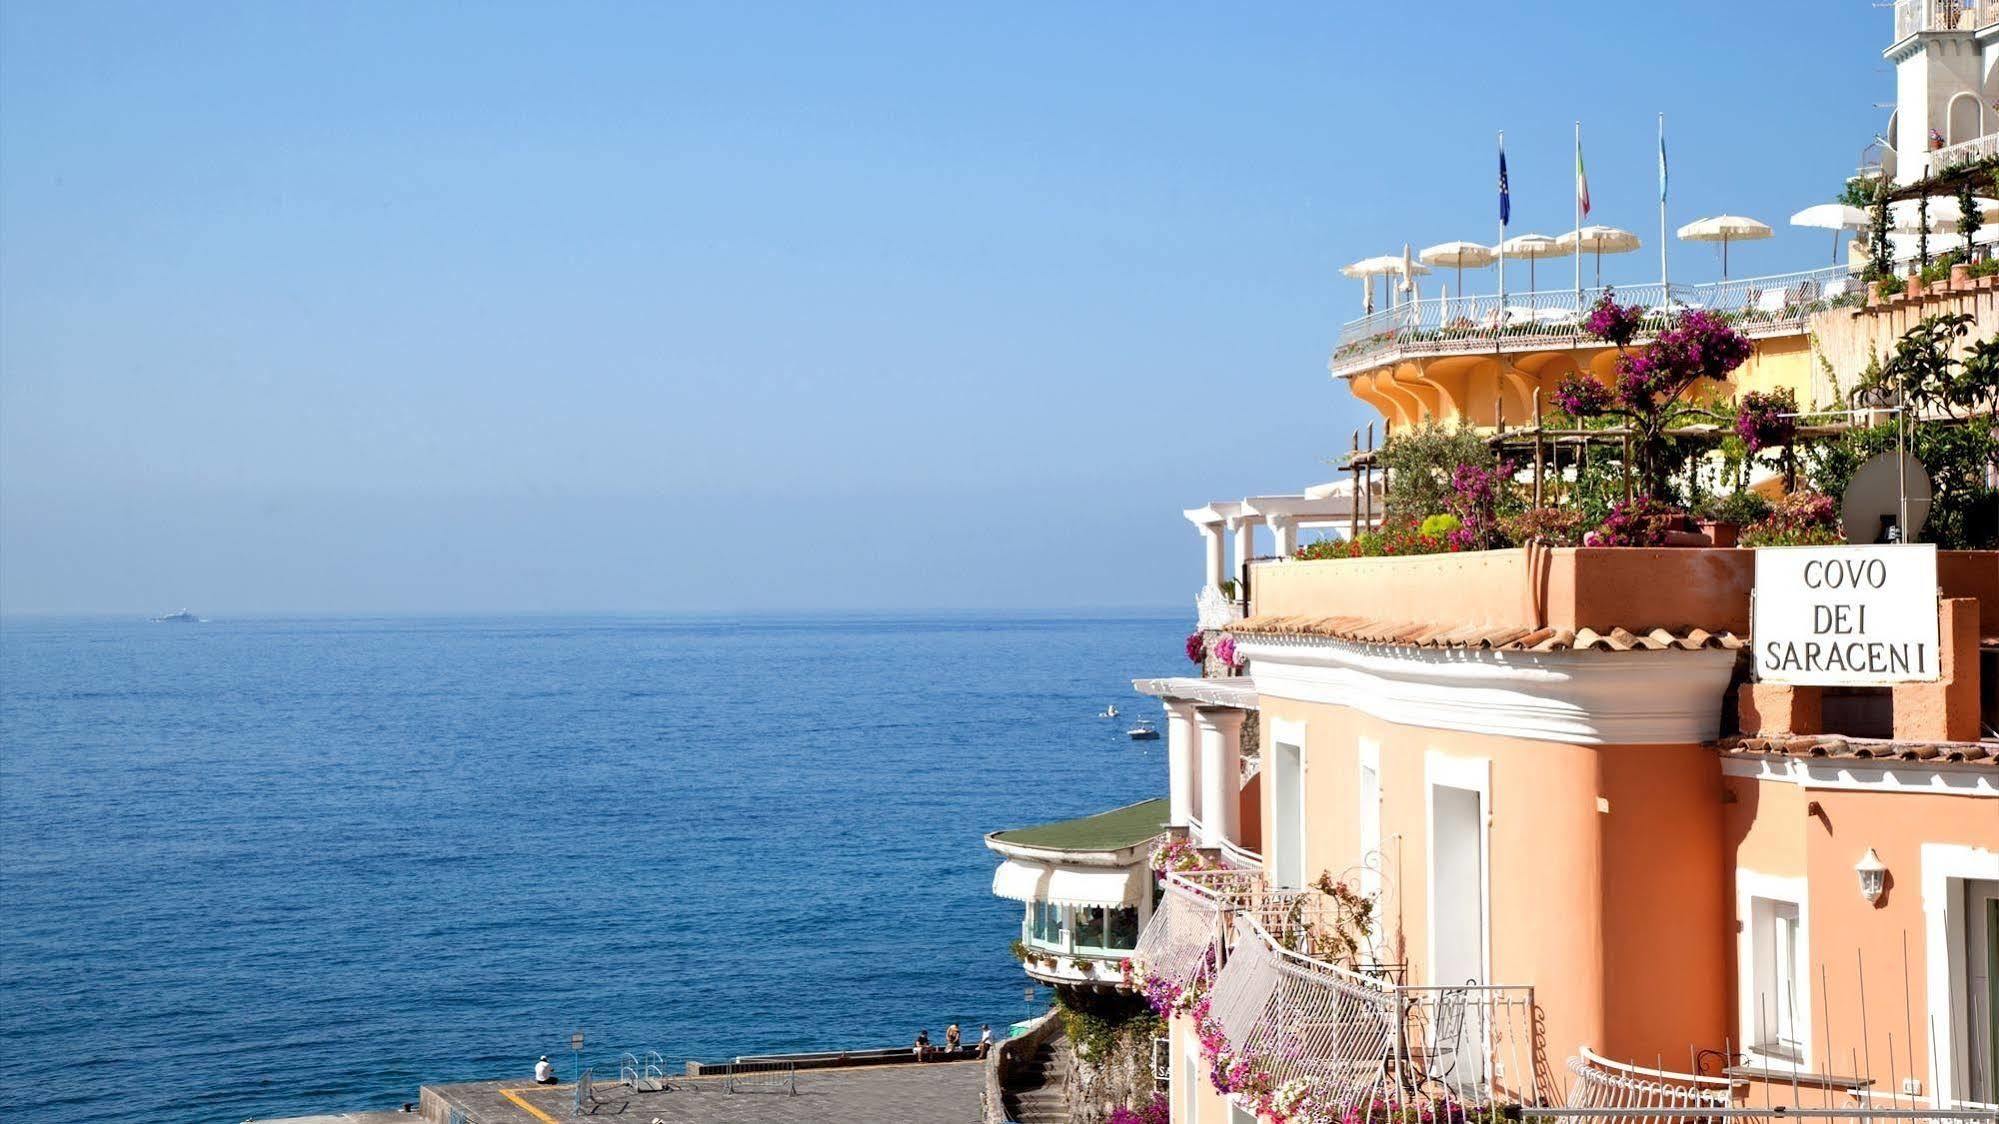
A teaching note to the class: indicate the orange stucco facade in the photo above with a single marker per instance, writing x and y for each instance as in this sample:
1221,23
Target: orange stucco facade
1621,865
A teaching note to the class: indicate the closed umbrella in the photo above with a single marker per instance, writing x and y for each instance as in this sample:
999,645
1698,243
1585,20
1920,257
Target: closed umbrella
1836,217
1367,269
1534,247
1724,229
1599,240
1458,255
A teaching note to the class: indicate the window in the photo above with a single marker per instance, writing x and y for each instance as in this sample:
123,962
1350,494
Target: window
1108,930
1780,1013
1045,924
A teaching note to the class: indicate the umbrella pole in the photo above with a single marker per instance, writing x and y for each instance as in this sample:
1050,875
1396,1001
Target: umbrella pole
1724,255
1599,265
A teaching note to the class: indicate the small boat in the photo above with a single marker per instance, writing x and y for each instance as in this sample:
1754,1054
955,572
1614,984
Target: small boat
179,617
1143,731
1108,712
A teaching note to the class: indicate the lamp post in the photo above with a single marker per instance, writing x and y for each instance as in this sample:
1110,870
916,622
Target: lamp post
576,1047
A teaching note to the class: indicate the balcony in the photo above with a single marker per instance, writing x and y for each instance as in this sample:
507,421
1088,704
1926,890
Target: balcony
1912,16
1297,1025
1548,319
1950,156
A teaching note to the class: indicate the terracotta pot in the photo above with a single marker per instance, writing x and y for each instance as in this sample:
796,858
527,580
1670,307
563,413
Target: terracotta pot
1720,532
1913,288
1985,282
1960,277
1873,293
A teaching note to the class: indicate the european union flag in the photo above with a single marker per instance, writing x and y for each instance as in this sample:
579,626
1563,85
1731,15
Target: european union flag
1505,195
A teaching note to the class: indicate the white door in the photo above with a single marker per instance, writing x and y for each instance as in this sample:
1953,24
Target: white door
1287,803
1458,939
1981,991
1457,875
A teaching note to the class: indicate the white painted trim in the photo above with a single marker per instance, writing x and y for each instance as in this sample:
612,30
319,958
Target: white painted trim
1873,775
1474,774
1749,885
1944,863
1582,698
1287,731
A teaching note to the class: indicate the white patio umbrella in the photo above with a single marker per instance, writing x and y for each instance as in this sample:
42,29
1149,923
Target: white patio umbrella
1367,269
1533,247
1599,240
1836,217
1724,229
1458,255
1943,213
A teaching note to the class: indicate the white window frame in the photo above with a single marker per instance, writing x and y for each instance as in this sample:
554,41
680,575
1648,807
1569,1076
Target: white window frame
1287,732
1943,949
1752,886
1472,774
1369,822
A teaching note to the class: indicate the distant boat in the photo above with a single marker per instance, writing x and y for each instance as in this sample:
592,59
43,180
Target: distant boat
1143,731
1108,712
179,617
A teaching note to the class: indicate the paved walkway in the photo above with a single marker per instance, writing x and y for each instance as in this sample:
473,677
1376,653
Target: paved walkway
940,1093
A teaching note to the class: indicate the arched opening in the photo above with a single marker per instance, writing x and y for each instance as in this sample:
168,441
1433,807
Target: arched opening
1963,118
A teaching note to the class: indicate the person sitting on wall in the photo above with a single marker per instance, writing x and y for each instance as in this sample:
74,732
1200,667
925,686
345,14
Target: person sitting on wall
544,1073
985,1039
923,1045
954,1039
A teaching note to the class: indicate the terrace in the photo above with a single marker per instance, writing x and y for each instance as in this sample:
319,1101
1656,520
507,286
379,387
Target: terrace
1544,320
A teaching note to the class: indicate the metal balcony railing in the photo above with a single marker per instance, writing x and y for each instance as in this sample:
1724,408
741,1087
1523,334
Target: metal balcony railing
1912,16
1337,1037
1547,318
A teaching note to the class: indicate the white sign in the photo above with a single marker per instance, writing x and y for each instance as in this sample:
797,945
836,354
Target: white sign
1846,615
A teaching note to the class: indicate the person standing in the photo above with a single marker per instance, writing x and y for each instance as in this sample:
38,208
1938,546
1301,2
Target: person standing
954,1039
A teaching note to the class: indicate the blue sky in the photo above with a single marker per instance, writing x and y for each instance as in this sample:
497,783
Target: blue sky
409,308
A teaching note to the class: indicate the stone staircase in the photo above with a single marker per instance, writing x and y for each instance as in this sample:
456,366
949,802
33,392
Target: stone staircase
1040,1095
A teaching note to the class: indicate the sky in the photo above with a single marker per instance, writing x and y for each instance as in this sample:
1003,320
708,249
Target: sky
442,308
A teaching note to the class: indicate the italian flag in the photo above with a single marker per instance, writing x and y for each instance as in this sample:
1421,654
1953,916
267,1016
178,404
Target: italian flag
1582,179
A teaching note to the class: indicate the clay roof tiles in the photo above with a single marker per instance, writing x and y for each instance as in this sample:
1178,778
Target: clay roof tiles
1512,638
1834,746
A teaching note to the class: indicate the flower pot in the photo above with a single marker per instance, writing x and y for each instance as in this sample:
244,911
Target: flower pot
1984,282
1960,277
1873,293
1913,289
1720,532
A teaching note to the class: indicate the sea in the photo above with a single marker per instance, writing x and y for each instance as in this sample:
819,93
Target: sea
267,867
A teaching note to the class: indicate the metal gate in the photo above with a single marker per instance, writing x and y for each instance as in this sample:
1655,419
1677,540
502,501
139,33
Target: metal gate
761,1077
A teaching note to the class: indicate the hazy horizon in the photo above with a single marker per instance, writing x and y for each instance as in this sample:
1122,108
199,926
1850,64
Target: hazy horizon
372,309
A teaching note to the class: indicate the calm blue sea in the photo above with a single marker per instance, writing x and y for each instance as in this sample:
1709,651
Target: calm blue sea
266,867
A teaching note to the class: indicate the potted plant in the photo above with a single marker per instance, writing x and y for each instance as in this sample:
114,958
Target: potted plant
1721,518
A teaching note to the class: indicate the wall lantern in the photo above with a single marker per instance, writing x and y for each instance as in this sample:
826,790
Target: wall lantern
1873,876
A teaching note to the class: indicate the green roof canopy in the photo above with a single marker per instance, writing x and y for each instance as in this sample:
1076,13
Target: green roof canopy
1105,831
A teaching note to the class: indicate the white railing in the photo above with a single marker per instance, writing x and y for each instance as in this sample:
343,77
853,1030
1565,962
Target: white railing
1546,318
1214,609
1912,16
1602,1083
1335,1036
1964,152
1237,855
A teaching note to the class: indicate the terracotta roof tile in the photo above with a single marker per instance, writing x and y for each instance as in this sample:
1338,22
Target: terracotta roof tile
1836,747
1416,634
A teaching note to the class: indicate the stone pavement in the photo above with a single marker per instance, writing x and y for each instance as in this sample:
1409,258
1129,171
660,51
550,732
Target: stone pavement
939,1093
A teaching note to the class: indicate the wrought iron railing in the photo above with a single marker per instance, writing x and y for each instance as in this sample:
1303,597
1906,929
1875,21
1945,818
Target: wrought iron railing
1777,1114
1337,1036
1546,318
1598,1082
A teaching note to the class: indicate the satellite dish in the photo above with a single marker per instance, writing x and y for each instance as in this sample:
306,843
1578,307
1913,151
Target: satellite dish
1870,508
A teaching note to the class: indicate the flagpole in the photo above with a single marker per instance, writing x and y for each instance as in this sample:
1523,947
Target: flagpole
1665,279
1501,315
1579,221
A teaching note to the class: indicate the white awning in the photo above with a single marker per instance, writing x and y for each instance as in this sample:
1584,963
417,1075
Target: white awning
1021,881
1075,885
